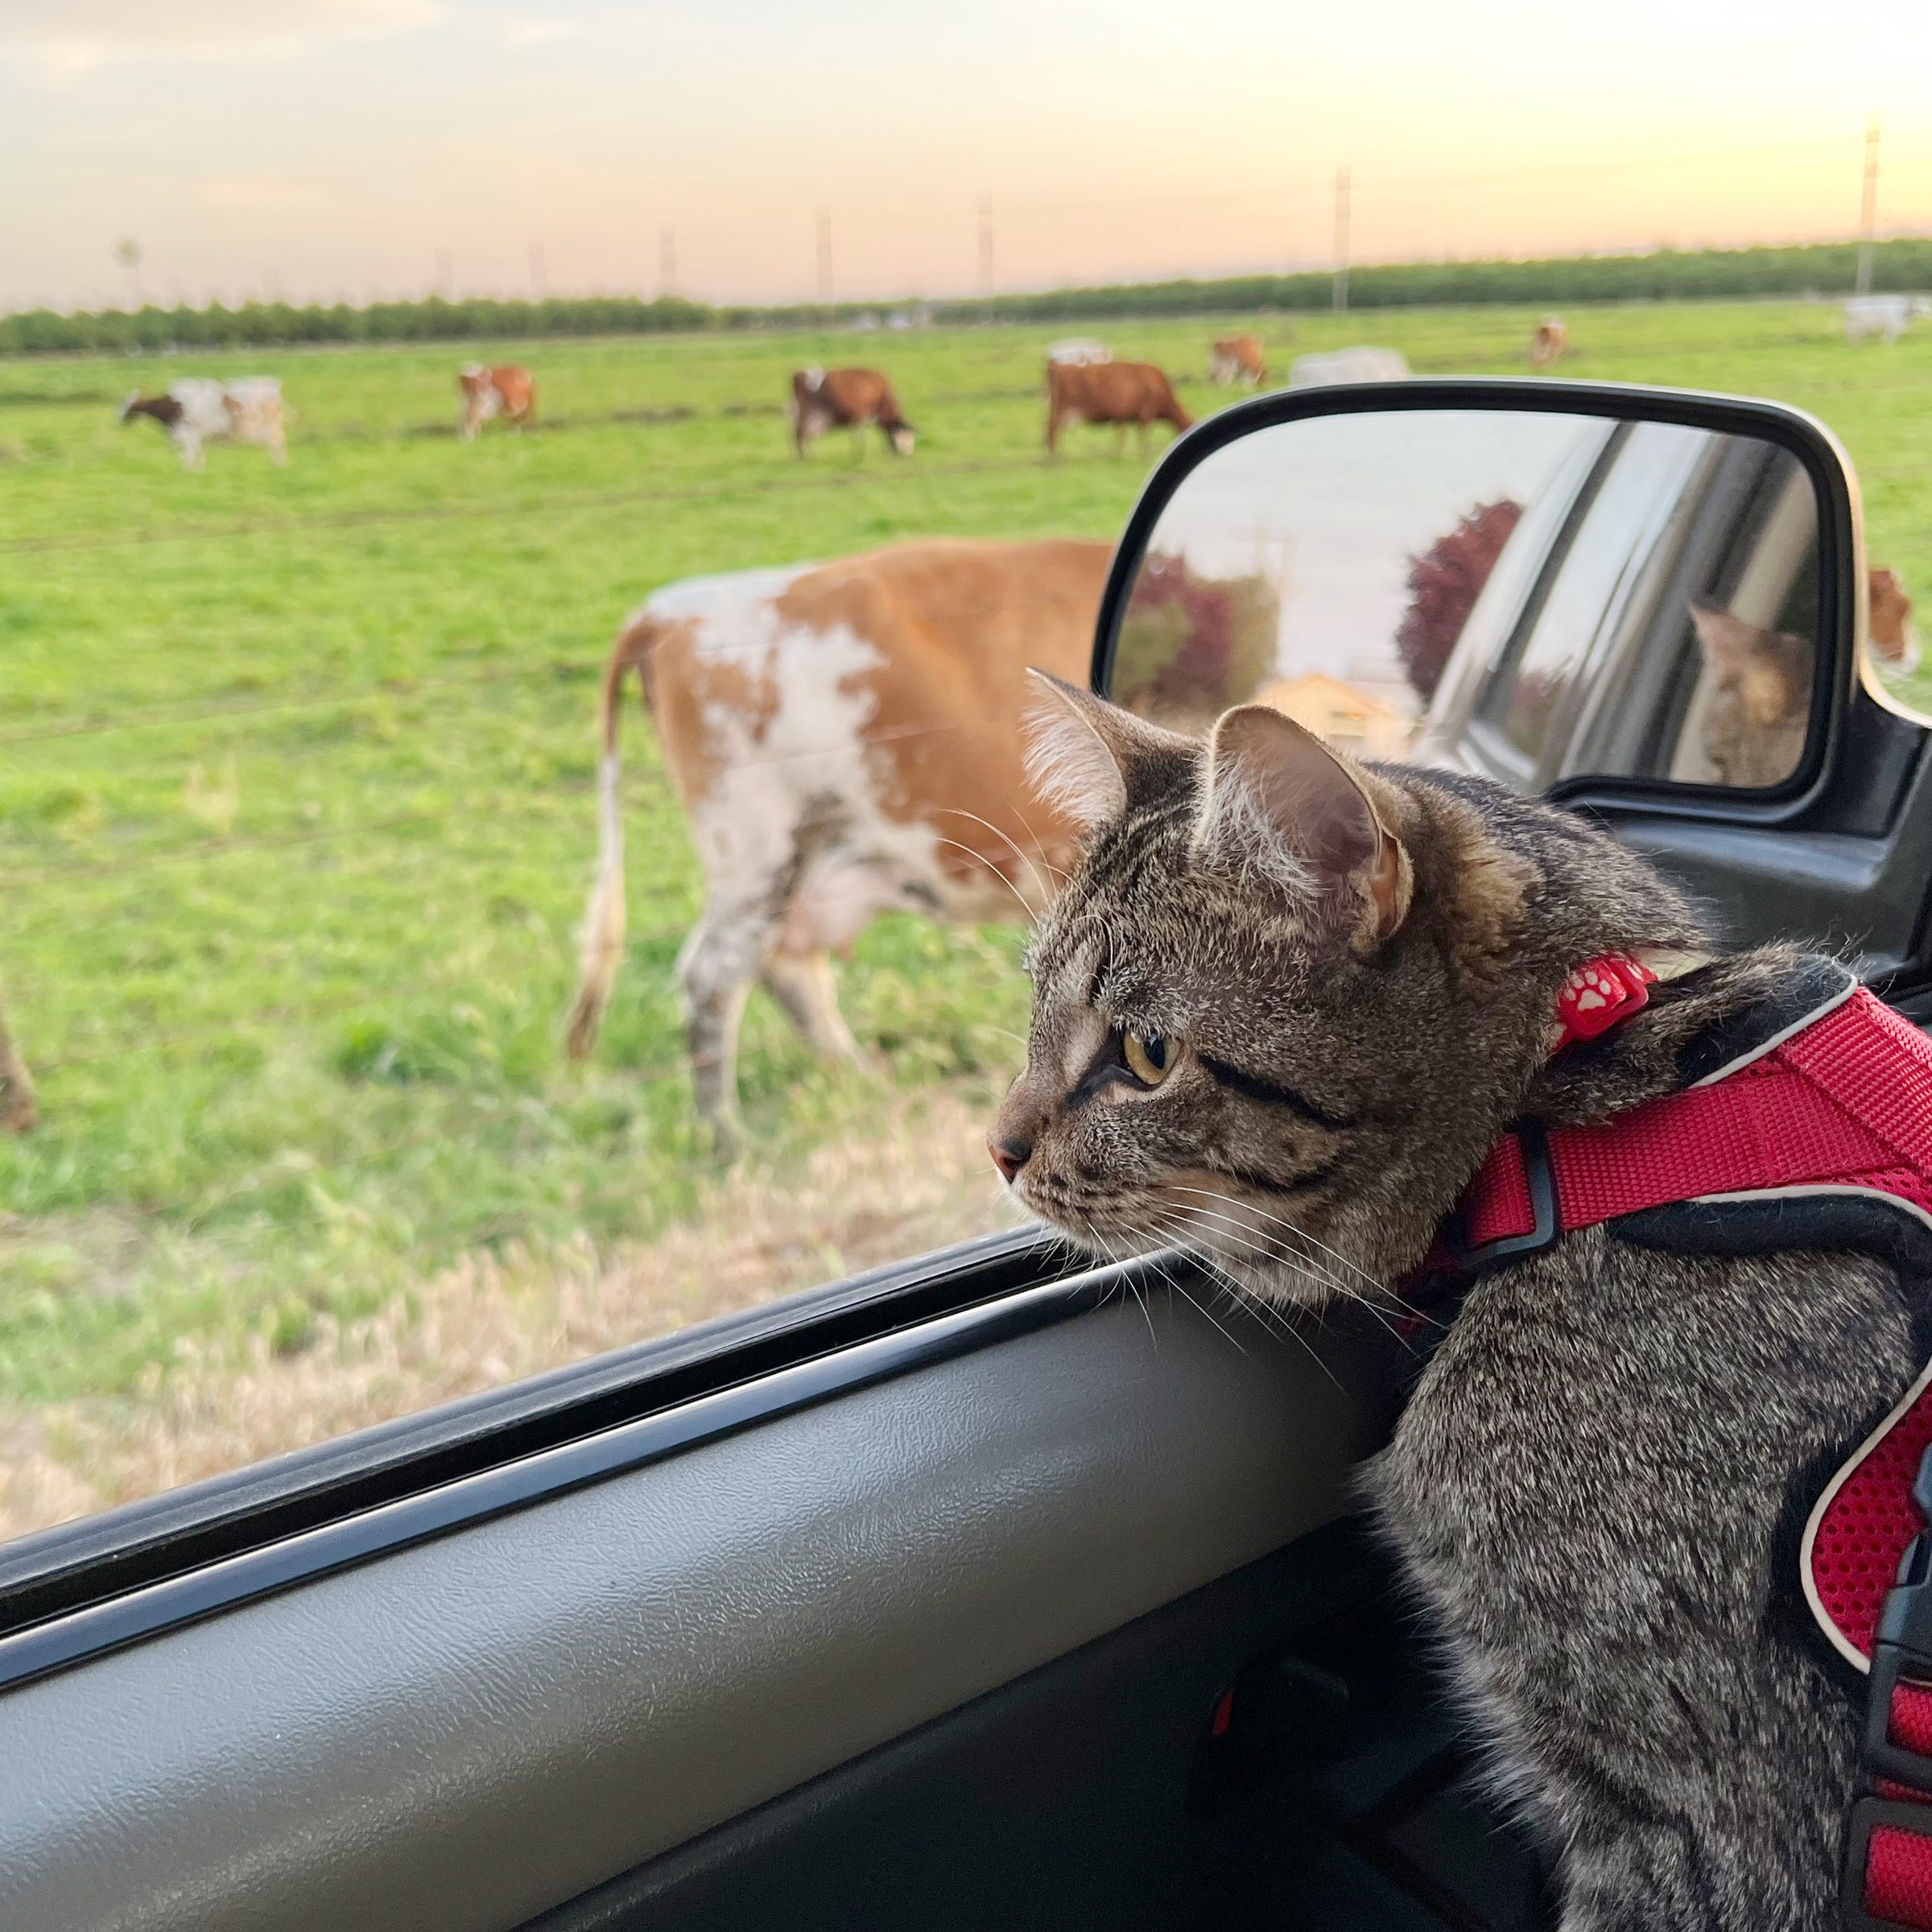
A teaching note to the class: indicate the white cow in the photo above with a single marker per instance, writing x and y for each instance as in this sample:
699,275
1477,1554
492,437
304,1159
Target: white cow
1347,366
1078,352
1887,315
200,409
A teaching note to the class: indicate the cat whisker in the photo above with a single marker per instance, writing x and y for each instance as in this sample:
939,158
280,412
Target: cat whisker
1340,1289
980,858
1300,1233
1036,858
1276,1320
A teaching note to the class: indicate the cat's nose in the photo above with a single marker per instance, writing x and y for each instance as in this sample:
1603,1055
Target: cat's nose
1009,1155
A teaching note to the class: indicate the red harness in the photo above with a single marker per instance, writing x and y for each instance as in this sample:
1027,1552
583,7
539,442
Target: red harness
1838,1103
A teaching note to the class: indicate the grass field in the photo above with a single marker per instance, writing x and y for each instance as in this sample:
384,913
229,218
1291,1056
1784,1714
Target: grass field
296,819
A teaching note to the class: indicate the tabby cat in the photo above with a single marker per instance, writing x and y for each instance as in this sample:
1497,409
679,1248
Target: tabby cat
1284,1007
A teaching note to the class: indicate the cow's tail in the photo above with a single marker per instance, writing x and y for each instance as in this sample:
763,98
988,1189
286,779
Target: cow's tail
602,939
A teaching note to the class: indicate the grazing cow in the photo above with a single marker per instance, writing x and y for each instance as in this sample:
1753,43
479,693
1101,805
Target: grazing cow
1889,623
1119,392
845,739
17,1109
1078,352
846,398
1548,342
1886,316
1347,366
1237,359
200,409
508,390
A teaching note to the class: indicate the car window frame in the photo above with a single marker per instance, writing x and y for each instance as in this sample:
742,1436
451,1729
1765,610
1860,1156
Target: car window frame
86,1588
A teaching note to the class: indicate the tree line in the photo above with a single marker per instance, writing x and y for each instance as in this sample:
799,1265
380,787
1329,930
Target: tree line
1666,276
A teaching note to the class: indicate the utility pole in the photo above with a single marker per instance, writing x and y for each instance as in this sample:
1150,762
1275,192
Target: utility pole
1867,216
536,271
667,261
986,275
825,260
127,252
1341,237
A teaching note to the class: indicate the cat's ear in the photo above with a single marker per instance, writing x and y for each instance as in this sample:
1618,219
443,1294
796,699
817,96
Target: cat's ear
1081,751
1748,657
1278,803
1731,645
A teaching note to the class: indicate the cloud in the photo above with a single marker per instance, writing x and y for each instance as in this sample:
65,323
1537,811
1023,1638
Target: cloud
257,194
529,33
76,36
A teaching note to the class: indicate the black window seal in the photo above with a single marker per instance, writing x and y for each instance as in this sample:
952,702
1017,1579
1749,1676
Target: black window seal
256,1569
77,1567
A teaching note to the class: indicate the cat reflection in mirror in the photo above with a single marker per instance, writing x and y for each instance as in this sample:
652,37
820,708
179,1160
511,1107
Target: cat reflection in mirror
1759,704
1283,1007
1755,720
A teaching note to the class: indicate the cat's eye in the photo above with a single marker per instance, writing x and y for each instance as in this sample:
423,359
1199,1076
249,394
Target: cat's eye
1149,1057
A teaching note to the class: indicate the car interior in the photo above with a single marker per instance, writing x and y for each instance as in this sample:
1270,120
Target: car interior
994,1587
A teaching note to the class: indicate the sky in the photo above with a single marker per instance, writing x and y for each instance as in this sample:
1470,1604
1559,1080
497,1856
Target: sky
327,149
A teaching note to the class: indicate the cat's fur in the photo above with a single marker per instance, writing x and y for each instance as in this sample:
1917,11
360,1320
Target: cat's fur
1759,711
1593,1481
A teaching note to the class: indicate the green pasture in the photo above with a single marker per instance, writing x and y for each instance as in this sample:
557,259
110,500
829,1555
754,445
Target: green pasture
296,814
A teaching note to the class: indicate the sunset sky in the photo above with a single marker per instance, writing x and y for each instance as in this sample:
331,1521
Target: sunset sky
319,148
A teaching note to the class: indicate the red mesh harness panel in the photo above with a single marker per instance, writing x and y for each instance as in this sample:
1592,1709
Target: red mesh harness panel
1843,1102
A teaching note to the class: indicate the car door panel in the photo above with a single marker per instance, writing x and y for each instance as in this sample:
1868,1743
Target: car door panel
466,1732
1270,1750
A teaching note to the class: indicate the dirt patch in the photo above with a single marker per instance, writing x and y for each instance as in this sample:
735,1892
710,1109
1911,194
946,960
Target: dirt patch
922,1182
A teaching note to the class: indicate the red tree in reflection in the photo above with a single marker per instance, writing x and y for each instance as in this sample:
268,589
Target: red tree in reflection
1190,645
1444,584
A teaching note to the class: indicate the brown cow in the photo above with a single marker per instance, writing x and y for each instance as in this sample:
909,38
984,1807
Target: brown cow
507,390
845,739
1237,359
1889,624
846,398
1549,342
1119,393
17,1109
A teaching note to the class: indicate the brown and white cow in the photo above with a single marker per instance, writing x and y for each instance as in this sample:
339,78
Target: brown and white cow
1119,392
846,398
845,739
200,409
1237,359
1548,342
507,389
1888,623
17,1112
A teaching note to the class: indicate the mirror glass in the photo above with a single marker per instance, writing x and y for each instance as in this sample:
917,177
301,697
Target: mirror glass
1534,596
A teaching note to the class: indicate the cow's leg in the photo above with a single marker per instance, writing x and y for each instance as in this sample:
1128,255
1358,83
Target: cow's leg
1119,442
802,982
278,445
724,956
16,1110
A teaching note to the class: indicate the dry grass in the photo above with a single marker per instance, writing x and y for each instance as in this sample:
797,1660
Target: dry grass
922,1182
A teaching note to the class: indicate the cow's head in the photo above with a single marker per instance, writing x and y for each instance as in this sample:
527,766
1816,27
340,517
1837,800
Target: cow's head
902,439
130,406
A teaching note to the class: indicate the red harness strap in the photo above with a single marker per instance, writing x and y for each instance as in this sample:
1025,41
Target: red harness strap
1843,1102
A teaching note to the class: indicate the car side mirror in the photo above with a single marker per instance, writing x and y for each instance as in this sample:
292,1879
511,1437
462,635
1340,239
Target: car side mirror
1553,584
